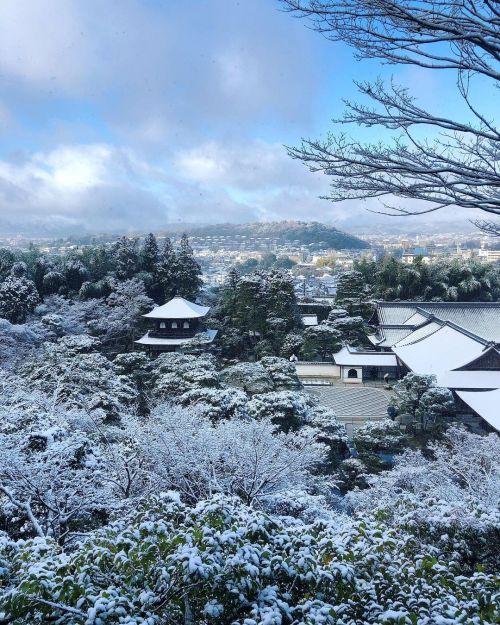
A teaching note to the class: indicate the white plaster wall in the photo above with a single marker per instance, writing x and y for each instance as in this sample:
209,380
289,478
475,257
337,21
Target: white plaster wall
317,370
347,380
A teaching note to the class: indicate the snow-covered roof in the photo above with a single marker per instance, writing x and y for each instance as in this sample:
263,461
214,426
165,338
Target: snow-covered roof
479,318
485,404
310,320
420,333
416,319
446,348
386,337
178,308
209,335
349,357
468,379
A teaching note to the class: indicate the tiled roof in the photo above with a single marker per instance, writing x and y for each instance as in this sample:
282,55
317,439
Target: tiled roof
178,308
419,334
479,318
395,313
351,357
482,319
446,348
386,337
209,335
485,404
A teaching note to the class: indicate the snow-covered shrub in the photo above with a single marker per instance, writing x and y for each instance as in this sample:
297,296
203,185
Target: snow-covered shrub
216,403
286,409
18,297
417,398
78,376
382,435
292,345
52,481
222,563
252,377
453,499
171,375
188,453
17,341
282,372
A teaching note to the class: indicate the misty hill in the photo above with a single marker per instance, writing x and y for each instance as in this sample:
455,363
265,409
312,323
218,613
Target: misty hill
306,232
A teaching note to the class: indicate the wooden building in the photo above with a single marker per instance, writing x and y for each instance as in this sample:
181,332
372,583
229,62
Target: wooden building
174,325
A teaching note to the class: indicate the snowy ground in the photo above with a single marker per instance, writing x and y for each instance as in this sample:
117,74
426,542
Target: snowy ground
353,405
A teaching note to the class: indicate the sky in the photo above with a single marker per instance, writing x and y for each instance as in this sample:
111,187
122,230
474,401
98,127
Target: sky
128,115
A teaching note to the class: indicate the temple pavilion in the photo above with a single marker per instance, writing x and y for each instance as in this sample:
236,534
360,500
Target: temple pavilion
173,325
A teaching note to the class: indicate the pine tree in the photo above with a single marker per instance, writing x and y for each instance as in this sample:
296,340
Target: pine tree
187,271
126,258
18,297
164,272
149,253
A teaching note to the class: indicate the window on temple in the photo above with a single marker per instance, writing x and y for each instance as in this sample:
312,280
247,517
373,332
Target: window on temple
352,373
185,324
163,324
174,324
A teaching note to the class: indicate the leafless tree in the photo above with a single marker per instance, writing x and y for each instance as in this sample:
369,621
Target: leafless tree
459,165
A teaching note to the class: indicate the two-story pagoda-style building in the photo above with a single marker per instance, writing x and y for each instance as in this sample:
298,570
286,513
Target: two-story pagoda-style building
173,325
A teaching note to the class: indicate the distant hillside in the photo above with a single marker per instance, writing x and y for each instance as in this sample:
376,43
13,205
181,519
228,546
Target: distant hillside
306,232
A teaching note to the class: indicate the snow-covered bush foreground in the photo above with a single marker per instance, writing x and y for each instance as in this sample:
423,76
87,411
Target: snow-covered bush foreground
221,562
452,499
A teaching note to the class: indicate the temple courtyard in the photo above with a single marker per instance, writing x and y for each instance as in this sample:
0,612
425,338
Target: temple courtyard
353,405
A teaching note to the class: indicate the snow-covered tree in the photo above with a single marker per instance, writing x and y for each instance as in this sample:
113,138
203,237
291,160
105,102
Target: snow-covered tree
126,258
187,271
75,274
18,297
52,281
382,435
252,377
290,411
321,340
452,498
119,320
418,400
165,271
149,253
221,562
282,372
51,482
17,341
292,345
353,330
189,453
171,375
76,375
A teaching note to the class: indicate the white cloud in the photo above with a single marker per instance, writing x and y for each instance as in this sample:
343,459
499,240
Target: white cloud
130,114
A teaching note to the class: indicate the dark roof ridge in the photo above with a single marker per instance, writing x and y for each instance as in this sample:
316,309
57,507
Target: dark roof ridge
419,303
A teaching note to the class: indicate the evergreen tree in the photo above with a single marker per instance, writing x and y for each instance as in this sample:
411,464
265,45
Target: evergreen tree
281,299
187,271
99,261
52,281
351,285
75,274
149,253
126,258
229,296
40,269
164,272
7,259
18,297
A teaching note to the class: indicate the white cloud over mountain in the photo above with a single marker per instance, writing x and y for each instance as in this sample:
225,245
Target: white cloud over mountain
127,114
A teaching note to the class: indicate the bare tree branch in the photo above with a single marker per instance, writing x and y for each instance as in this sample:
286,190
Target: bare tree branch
459,164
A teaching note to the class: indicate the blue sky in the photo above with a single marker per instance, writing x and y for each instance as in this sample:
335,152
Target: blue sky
125,115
